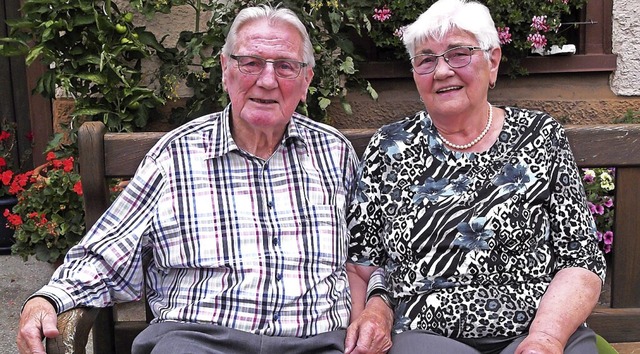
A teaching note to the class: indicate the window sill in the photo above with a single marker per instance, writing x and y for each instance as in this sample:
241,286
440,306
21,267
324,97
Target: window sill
534,65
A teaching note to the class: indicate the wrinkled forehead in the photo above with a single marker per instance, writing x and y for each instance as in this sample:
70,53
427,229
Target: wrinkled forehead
262,34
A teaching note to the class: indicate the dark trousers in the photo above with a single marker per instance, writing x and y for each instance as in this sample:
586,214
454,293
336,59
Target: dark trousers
583,341
193,338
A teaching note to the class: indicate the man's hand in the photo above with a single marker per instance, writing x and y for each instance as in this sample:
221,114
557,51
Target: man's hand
370,333
540,343
38,320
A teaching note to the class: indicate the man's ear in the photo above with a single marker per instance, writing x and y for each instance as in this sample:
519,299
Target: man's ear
308,77
223,65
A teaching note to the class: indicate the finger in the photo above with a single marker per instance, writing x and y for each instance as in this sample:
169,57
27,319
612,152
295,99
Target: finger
50,325
351,338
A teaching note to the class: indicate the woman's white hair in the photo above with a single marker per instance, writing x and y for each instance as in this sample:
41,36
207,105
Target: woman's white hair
446,15
272,15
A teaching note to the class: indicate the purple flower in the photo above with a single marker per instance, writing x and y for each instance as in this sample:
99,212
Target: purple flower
607,201
606,248
599,209
589,178
599,236
608,237
592,207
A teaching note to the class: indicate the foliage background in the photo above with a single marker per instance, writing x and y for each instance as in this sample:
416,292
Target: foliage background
98,51
101,54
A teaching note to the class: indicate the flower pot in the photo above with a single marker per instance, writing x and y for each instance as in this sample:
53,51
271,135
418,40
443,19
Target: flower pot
6,233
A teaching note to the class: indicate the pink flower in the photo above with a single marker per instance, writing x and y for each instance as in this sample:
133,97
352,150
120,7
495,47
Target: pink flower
538,41
599,236
606,248
599,209
608,238
399,32
382,14
504,35
608,202
540,23
589,178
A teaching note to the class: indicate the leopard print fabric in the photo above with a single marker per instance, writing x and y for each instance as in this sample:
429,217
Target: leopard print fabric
470,241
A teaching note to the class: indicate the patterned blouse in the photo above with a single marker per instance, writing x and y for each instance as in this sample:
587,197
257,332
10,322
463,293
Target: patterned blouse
470,241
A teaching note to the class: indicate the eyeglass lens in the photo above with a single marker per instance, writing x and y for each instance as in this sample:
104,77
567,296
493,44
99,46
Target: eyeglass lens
284,68
454,57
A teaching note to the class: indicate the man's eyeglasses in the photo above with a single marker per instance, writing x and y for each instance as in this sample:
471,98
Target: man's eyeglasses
455,57
284,68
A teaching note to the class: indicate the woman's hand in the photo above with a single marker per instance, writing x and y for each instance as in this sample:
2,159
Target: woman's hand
540,343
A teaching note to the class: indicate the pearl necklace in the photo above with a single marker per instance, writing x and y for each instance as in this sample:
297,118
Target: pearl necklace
474,141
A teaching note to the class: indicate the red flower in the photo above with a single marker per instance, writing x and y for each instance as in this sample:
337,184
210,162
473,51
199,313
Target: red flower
78,188
13,219
51,156
56,163
6,177
3,162
67,164
4,135
18,183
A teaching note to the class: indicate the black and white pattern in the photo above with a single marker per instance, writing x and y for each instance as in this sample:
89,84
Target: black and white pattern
470,241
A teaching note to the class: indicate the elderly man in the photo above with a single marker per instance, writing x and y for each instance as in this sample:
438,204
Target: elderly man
242,213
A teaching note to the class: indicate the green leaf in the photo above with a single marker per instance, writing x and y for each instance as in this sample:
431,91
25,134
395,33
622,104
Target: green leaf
95,78
324,102
12,47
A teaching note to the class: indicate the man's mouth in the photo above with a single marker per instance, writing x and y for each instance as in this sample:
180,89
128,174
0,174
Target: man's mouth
263,101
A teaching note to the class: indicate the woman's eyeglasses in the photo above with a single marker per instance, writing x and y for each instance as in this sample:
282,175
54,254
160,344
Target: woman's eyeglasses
455,57
284,68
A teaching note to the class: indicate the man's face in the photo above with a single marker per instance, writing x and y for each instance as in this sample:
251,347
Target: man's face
265,101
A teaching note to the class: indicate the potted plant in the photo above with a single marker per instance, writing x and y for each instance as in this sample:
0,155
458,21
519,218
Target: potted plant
10,168
599,184
48,218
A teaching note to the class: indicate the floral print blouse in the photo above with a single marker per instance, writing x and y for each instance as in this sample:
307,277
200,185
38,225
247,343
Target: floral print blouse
470,241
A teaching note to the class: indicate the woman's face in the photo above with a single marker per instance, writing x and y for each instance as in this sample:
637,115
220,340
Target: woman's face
454,91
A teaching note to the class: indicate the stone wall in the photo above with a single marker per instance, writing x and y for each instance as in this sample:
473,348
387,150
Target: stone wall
626,44
572,98
582,98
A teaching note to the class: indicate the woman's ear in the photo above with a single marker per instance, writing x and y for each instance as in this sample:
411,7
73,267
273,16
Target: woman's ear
495,56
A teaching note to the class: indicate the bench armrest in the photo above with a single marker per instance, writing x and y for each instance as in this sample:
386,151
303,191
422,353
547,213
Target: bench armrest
74,326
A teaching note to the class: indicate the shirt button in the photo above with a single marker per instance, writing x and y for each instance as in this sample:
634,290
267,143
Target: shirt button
276,241
270,204
276,316
279,277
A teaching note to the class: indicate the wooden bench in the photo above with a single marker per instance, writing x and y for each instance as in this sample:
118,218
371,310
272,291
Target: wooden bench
105,155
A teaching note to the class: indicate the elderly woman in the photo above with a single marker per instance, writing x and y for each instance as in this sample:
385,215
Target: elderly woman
476,213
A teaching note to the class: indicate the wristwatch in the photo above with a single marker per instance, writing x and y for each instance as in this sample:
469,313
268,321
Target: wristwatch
382,294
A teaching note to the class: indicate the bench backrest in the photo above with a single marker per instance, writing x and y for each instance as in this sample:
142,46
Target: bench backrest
106,155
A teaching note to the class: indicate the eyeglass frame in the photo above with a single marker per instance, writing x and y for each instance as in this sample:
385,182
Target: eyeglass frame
437,56
273,62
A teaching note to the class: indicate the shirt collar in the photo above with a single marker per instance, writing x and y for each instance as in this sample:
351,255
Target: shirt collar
293,134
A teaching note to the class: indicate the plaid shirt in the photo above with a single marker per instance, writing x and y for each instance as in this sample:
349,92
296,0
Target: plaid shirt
233,240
